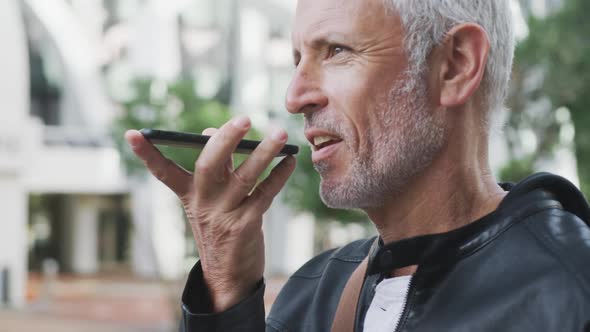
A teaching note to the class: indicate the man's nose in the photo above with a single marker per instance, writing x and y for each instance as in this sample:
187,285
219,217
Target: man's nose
304,94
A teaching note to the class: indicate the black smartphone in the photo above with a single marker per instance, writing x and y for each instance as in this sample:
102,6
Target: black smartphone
188,140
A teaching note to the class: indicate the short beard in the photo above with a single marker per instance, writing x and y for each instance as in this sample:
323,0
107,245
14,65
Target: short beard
404,145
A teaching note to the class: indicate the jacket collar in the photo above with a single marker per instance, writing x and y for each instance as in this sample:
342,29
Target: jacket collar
445,247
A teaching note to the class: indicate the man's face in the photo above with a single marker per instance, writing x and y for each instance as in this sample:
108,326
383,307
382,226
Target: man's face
370,121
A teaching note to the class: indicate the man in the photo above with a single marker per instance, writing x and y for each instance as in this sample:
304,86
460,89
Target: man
399,98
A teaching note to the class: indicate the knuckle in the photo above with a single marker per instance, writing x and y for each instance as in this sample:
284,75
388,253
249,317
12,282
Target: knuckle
264,199
264,192
202,167
271,186
243,180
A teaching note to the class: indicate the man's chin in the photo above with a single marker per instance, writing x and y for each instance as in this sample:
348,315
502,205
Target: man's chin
332,203
334,197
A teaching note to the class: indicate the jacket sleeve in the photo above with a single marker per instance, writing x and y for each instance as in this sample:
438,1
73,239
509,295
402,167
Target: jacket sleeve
197,316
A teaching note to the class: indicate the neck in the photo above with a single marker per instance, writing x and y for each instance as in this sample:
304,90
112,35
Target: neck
456,189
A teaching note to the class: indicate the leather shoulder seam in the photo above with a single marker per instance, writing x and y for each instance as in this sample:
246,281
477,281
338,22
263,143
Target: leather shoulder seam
505,229
549,244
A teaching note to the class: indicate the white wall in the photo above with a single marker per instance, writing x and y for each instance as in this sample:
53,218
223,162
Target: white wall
73,170
14,108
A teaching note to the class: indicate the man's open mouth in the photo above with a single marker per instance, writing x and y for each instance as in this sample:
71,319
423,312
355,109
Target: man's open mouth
320,142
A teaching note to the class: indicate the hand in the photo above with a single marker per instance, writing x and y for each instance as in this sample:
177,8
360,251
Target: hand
223,205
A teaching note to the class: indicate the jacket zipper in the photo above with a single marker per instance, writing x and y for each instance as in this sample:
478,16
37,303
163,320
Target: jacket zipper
402,317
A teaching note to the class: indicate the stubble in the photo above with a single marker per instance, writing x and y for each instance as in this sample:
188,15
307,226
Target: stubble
404,142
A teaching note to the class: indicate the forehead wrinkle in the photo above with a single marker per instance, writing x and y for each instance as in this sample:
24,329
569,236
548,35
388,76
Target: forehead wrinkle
359,17
316,19
321,32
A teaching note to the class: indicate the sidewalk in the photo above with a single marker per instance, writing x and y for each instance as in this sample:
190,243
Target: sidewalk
104,303
98,303
12,321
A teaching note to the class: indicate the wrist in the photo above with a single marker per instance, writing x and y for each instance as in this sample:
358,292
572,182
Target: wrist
224,298
228,287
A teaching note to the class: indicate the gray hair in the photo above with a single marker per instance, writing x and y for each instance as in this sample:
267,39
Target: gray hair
426,22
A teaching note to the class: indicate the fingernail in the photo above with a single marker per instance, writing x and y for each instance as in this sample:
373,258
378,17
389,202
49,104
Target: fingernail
208,131
241,122
129,138
279,135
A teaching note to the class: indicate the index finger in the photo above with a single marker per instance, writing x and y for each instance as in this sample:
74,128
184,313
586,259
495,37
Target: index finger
210,167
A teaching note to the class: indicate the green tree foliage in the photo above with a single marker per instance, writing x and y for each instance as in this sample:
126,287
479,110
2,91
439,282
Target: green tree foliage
169,106
557,55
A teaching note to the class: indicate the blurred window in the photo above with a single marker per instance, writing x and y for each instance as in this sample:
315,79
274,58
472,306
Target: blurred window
46,74
45,94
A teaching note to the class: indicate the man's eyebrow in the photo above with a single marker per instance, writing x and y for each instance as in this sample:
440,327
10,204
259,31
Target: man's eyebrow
327,39
321,41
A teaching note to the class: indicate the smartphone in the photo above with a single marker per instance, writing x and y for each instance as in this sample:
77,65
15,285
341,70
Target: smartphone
188,140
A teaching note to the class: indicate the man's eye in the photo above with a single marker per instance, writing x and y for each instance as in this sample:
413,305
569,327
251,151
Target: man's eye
337,49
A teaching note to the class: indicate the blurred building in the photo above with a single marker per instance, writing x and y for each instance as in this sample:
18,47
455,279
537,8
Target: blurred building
63,191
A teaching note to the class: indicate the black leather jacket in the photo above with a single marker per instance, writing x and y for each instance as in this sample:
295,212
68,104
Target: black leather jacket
524,267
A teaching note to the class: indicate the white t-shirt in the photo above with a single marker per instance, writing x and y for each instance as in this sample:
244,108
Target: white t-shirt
387,305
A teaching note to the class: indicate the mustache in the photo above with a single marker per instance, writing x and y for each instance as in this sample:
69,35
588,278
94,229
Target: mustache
320,121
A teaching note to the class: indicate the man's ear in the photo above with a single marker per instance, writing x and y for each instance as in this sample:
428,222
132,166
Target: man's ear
462,62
